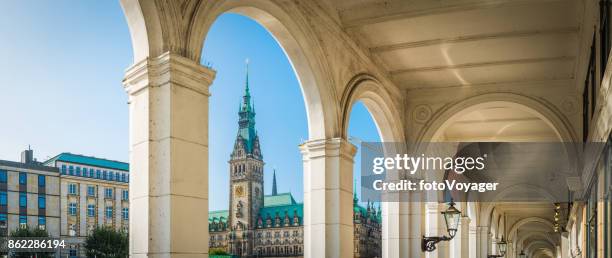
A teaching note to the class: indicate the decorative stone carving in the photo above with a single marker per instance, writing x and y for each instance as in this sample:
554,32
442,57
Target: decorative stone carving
421,113
568,105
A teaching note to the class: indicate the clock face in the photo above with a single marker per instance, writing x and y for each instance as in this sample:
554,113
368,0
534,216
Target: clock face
239,192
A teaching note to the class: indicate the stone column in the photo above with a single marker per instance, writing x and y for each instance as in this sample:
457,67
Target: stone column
328,198
168,103
565,247
436,227
483,241
473,245
465,236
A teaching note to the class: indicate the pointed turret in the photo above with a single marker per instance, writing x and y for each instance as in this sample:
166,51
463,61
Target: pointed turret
274,190
247,139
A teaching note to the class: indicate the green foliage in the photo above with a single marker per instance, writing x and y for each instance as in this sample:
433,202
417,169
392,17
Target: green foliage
27,232
217,251
105,242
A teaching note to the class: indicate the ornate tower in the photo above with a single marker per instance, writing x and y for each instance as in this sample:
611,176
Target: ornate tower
246,179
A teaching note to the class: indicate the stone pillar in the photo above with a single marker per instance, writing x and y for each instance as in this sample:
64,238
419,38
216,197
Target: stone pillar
465,236
483,241
417,227
328,198
168,103
436,227
473,245
565,245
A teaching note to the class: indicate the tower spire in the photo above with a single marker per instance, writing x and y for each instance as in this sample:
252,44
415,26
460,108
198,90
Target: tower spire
355,200
274,190
247,93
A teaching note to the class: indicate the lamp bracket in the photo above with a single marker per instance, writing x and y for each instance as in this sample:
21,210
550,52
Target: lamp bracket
428,244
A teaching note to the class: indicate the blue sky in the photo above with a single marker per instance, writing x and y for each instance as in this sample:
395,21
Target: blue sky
61,89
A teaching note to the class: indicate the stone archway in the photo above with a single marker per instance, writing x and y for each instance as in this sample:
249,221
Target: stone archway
170,154
541,109
381,106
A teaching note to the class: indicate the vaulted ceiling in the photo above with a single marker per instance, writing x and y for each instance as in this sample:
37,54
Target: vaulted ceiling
433,44
444,43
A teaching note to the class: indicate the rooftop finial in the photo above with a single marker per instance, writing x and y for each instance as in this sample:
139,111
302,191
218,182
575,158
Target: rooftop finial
247,76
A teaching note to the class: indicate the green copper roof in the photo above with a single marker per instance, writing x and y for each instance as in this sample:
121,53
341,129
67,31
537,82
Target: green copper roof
218,215
279,199
281,209
90,161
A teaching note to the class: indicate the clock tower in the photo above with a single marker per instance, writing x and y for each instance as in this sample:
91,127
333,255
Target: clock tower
246,179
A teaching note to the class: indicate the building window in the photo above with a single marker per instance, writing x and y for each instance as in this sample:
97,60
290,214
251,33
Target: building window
70,170
117,177
78,171
42,182
98,174
3,220
91,190
91,172
3,178
42,202
108,193
23,221
91,210
123,178
23,178
73,253
109,212
42,222
104,174
3,198
72,189
111,175
125,213
63,169
23,200
72,209
125,195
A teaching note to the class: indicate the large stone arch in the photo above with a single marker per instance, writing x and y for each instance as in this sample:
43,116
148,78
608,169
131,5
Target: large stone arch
155,29
299,44
533,234
545,111
520,223
489,207
367,89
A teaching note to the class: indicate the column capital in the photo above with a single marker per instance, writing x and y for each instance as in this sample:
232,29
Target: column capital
327,148
167,69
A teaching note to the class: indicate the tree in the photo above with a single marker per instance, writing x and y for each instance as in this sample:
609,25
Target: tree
106,242
217,251
26,232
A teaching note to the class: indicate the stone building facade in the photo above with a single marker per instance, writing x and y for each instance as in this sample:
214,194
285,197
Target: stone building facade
258,225
29,196
94,192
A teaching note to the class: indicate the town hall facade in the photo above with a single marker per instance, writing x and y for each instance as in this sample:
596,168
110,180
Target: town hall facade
259,225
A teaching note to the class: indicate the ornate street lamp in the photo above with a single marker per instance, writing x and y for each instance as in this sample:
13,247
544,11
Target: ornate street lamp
522,254
451,217
502,246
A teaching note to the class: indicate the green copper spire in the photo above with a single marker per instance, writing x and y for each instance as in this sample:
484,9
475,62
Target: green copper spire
246,120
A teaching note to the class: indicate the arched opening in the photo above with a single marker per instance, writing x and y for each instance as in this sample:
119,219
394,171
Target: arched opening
274,119
367,214
488,118
368,117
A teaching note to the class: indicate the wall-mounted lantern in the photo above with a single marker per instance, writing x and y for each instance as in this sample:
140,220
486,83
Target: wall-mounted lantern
451,217
502,246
